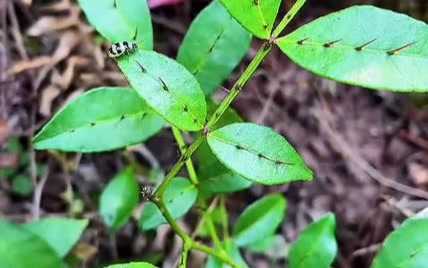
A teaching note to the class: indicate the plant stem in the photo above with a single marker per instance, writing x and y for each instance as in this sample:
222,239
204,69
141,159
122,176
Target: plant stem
182,146
176,168
187,240
237,87
287,18
219,255
187,153
201,199
225,222
210,224
185,255
163,209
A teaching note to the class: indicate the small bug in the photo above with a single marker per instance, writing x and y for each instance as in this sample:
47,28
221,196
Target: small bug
120,48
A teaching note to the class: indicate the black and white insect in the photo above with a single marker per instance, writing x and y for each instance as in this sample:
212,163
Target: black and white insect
121,48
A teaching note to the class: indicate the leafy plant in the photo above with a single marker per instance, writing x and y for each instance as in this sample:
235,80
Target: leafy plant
361,45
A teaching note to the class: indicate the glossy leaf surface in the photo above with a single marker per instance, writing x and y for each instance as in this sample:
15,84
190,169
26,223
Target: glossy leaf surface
258,16
121,20
406,247
60,233
365,46
259,220
119,199
258,153
316,246
167,87
102,119
213,46
20,248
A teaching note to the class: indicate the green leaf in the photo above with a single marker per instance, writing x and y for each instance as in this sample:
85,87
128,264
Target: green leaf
179,197
167,87
60,233
214,177
119,199
365,46
132,265
231,250
316,246
20,248
121,20
406,247
219,216
213,46
258,153
257,16
263,245
100,120
259,220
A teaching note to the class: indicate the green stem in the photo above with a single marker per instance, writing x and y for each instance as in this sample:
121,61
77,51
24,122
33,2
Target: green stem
176,168
219,255
225,222
185,157
187,240
177,229
189,164
237,87
201,200
185,255
287,18
210,224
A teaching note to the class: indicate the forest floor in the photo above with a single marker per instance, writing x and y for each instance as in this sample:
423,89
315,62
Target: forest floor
368,149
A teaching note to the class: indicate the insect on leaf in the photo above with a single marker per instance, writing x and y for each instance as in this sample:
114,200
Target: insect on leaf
167,87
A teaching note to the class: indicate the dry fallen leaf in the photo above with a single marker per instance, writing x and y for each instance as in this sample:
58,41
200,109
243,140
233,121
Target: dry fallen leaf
4,131
418,172
24,65
68,41
48,95
84,251
50,24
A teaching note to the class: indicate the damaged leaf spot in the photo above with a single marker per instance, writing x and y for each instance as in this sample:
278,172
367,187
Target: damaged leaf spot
331,44
360,48
395,51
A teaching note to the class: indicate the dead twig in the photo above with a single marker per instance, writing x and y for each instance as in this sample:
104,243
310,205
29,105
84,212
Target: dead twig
348,152
37,197
366,250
